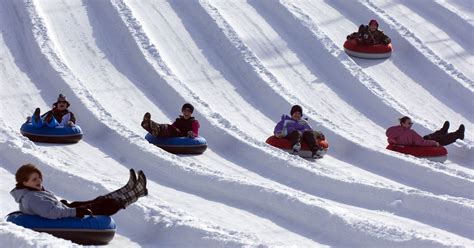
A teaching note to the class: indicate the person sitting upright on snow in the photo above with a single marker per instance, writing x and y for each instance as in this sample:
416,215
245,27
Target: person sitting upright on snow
370,34
295,129
184,126
58,116
403,135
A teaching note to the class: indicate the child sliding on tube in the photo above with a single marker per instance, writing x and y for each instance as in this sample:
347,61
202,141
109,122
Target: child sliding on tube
184,126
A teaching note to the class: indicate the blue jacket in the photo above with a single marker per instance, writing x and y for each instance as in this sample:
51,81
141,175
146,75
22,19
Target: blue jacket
42,203
287,125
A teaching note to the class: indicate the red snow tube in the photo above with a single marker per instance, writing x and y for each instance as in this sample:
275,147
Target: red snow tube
286,145
434,153
379,51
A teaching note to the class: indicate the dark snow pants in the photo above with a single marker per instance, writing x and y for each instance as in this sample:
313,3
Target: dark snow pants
161,130
99,206
308,137
443,139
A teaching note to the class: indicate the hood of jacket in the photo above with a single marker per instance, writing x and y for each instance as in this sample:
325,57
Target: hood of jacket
19,193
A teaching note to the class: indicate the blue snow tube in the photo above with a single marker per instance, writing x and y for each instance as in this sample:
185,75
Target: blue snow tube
90,230
179,145
56,134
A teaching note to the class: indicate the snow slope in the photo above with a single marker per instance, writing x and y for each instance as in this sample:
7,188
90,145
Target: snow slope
242,64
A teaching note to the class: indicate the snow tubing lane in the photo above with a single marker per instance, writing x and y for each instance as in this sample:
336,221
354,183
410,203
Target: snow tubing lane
433,153
379,51
52,134
179,145
285,144
91,230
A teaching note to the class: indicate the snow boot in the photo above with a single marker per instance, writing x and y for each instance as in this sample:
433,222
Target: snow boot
146,122
36,115
117,194
444,129
138,191
49,117
152,127
438,134
460,132
296,148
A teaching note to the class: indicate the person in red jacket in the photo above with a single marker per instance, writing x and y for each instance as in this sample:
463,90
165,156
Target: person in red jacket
404,135
184,126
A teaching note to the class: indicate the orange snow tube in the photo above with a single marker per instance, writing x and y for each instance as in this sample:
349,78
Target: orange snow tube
379,51
305,152
433,153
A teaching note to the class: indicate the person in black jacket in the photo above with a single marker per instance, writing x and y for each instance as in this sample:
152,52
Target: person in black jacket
59,115
370,34
184,126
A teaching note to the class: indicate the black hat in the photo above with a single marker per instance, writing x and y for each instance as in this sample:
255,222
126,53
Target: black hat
187,106
296,108
62,98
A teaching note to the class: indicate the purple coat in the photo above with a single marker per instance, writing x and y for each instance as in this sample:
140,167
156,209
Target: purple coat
405,136
287,125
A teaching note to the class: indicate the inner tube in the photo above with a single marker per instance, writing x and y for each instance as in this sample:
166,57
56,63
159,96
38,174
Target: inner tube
58,134
433,153
179,145
90,230
305,152
379,51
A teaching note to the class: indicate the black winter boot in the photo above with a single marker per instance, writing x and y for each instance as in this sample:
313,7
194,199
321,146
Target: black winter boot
49,117
36,115
444,129
438,134
460,132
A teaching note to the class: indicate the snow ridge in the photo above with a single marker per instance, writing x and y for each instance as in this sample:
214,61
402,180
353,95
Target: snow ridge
416,42
241,64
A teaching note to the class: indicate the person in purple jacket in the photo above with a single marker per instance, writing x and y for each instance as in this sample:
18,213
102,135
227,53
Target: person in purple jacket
295,129
404,135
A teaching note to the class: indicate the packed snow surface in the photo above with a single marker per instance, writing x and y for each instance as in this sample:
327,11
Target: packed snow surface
243,64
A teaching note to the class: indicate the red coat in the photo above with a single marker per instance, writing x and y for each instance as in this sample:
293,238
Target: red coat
405,136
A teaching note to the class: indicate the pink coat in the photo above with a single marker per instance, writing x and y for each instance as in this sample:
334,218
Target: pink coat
405,136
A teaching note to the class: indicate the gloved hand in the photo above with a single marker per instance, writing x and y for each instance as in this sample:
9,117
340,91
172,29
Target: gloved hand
190,134
70,123
65,203
82,211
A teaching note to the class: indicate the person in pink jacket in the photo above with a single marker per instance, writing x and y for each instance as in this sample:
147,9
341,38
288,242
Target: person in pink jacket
404,135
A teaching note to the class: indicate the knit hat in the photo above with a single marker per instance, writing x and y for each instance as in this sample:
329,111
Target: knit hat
374,22
62,98
296,108
187,106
